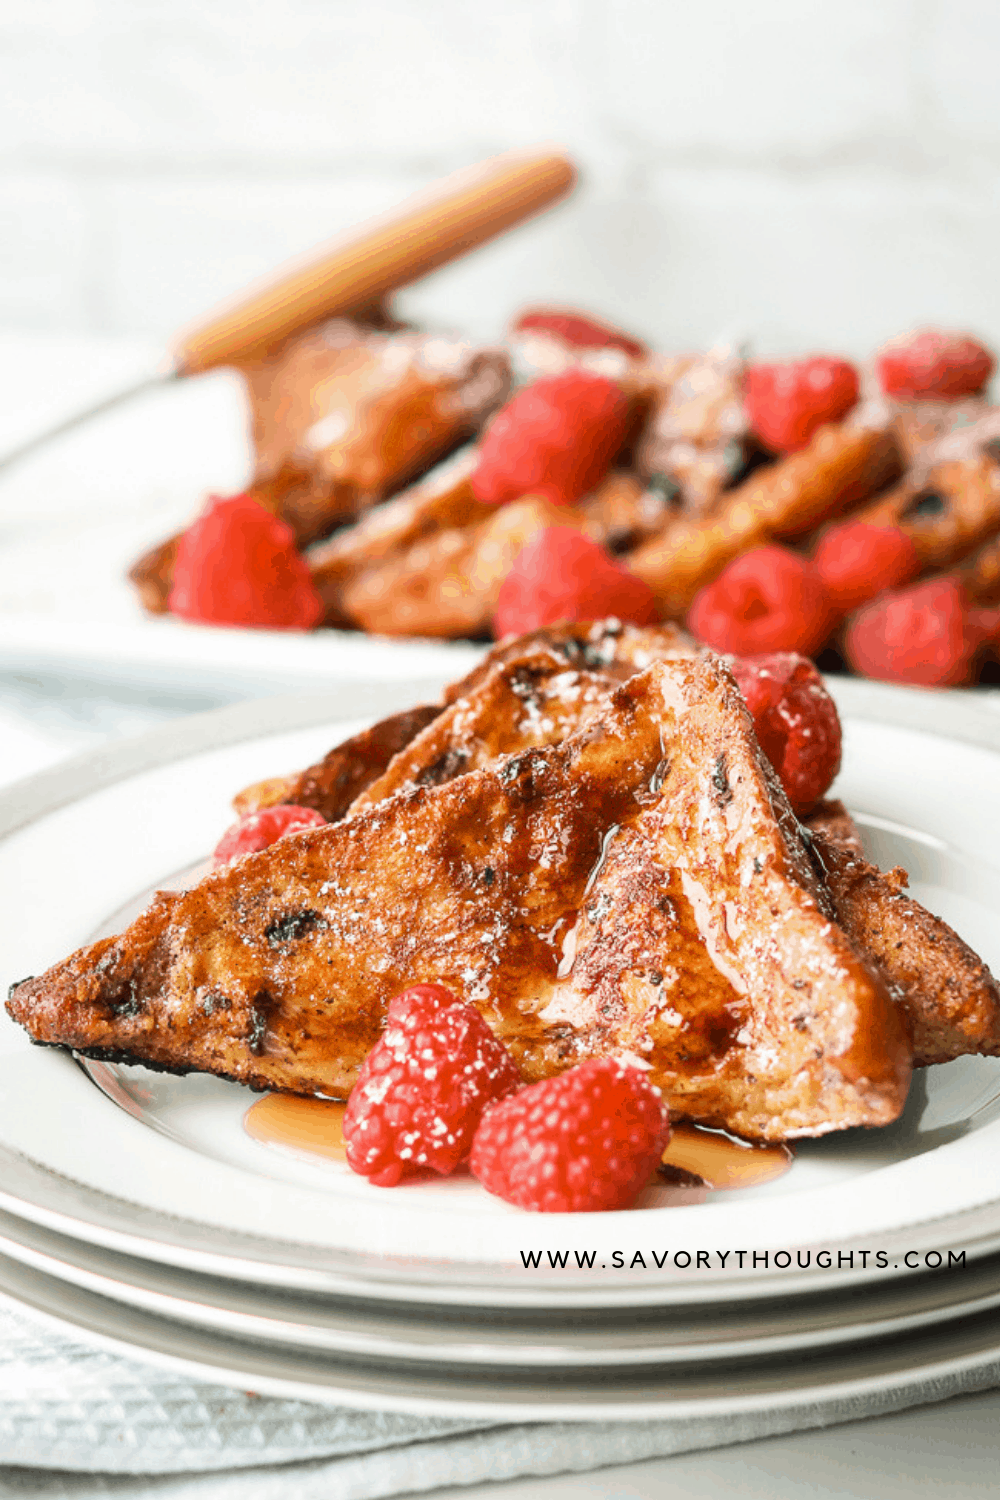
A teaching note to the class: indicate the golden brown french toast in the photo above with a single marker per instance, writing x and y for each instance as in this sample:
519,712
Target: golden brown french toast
348,769
641,888
528,701
594,644
331,785
951,1000
841,467
535,691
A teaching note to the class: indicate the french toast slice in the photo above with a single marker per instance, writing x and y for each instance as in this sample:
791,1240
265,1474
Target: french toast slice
641,889
594,644
332,784
531,700
535,692
951,999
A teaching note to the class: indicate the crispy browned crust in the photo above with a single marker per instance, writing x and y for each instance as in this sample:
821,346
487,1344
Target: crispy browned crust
532,700
596,645
641,888
441,501
365,409
951,1000
839,469
520,699
445,585
331,785
349,768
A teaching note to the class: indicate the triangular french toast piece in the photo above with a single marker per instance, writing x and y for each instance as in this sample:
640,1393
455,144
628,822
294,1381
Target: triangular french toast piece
597,645
951,999
332,784
531,692
524,703
640,889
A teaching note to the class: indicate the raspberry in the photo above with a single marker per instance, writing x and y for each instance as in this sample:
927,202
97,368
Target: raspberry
926,635
796,722
423,1087
786,403
577,329
857,562
585,1141
260,829
556,438
769,599
563,575
932,363
238,565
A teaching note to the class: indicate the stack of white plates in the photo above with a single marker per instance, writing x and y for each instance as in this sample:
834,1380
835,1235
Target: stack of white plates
135,1207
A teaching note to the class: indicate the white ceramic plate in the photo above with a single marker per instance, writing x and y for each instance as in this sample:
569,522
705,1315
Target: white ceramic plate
921,770
959,1351
512,1338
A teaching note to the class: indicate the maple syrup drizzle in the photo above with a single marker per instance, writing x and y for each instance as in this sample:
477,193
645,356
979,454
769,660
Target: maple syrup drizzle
312,1125
724,1162
315,1126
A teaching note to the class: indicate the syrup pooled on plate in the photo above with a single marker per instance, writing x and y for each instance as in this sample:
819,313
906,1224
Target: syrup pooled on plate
315,1126
724,1162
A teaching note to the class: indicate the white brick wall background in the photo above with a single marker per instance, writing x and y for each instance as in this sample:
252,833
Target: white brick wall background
812,175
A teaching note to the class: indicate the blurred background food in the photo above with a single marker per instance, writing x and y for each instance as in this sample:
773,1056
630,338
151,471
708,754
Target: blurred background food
779,182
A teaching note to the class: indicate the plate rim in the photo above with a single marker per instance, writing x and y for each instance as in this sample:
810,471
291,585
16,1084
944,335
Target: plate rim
231,1362
347,1325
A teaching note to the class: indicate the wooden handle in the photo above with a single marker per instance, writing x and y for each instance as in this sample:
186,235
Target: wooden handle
364,264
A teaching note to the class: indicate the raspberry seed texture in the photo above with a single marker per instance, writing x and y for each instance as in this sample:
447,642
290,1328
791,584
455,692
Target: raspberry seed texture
584,1142
423,1087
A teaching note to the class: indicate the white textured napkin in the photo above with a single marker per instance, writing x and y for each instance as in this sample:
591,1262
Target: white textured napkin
79,1423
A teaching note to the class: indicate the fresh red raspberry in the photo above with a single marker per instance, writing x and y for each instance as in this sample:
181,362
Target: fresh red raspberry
583,1142
926,635
563,575
577,329
238,565
423,1087
857,562
795,720
555,438
769,599
786,402
260,829
933,363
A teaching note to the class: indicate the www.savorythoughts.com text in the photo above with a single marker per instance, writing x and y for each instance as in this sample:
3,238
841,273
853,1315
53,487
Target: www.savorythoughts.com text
742,1260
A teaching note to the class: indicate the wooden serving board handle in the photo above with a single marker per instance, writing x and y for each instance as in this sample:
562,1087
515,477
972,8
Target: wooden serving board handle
362,265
